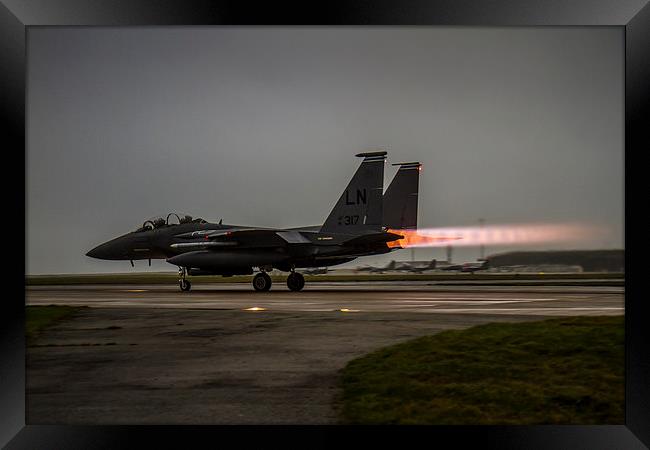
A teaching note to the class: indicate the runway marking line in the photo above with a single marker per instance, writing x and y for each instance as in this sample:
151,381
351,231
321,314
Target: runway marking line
457,310
481,298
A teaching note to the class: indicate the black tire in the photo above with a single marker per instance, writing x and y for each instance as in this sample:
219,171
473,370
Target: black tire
262,282
295,281
185,285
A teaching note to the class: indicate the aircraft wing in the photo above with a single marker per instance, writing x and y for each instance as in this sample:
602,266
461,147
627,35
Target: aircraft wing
215,234
203,244
265,237
259,237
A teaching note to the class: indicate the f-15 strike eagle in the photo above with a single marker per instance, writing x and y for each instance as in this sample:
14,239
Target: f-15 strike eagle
358,226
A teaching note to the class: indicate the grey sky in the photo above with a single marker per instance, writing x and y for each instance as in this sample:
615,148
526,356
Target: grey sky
259,126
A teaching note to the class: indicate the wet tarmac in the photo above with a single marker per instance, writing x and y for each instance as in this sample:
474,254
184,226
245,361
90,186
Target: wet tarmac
224,354
367,297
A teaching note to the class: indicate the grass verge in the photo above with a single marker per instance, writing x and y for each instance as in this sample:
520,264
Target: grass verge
37,318
557,371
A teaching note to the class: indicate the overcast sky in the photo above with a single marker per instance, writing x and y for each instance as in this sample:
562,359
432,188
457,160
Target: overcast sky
259,126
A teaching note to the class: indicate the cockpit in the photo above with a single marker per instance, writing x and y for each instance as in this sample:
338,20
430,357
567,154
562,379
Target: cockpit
169,220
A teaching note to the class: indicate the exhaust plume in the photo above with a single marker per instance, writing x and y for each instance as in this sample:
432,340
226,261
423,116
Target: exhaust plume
495,235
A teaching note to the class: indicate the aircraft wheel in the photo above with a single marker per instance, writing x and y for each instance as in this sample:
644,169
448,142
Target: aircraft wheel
295,281
262,282
185,285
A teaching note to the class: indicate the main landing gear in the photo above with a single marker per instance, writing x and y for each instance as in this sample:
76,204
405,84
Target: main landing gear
262,281
184,284
295,281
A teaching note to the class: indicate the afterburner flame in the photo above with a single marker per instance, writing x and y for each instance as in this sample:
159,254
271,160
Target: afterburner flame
416,238
495,235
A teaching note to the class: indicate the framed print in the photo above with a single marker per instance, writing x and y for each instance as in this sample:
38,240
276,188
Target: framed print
113,110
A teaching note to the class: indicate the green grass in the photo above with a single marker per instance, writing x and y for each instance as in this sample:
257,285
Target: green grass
37,318
615,279
558,371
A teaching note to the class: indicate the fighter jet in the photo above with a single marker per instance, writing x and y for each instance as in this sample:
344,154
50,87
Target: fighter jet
419,268
373,269
401,266
355,227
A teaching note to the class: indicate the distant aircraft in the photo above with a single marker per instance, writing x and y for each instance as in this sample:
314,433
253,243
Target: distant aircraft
402,266
420,269
356,226
389,266
467,267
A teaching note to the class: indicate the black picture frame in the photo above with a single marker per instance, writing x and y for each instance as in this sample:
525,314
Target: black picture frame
17,15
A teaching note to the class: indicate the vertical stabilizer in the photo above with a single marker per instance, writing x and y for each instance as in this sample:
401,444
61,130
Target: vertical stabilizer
401,197
359,209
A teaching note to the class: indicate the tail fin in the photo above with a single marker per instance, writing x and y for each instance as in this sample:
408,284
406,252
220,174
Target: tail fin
401,197
360,207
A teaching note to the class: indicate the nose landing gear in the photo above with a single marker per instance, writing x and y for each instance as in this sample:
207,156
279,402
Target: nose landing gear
184,284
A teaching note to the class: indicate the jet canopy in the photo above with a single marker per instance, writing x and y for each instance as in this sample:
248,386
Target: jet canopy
168,220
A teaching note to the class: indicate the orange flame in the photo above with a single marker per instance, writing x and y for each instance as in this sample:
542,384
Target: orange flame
413,239
495,235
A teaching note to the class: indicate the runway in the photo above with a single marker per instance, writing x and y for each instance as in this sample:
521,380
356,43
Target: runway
418,297
224,354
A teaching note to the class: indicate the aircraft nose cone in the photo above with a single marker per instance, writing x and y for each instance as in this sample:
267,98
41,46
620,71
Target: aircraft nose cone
100,252
114,249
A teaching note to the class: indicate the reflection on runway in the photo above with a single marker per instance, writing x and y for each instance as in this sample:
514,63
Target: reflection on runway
347,297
